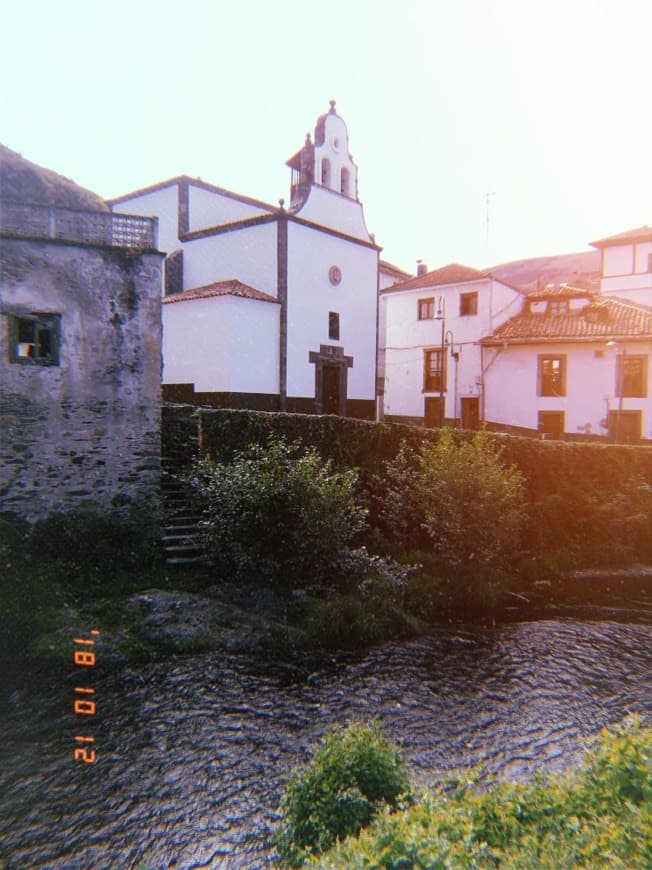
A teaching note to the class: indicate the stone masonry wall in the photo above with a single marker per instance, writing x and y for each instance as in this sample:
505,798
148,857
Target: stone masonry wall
84,434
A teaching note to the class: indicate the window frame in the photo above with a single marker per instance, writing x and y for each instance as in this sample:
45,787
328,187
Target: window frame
434,380
469,300
427,305
638,390
543,377
48,323
334,325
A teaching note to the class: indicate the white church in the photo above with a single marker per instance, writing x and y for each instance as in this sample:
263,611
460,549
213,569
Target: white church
270,307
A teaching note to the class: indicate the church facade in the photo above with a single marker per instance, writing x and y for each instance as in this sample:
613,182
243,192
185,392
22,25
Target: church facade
270,307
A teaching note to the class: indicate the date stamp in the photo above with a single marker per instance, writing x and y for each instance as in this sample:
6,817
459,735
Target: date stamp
85,656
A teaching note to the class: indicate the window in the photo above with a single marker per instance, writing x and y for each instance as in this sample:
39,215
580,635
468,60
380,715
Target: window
434,370
558,306
344,181
326,171
468,303
552,375
334,325
426,309
34,339
631,376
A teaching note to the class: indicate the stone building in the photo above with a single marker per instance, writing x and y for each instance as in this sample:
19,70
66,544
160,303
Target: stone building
80,339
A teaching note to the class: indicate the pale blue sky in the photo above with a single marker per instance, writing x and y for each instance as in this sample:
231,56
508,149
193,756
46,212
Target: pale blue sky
545,104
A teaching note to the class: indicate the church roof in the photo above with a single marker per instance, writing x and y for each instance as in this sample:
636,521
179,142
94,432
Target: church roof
396,271
28,183
601,319
640,234
454,273
231,287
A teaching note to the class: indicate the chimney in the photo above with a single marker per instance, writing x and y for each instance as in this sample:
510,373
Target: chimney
422,267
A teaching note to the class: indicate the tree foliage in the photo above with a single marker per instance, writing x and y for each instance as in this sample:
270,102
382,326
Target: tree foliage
598,817
278,513
457,499
354,773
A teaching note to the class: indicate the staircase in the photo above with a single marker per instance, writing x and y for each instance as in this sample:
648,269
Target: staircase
181,538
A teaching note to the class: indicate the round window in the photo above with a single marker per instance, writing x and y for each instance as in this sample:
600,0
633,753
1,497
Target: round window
335,275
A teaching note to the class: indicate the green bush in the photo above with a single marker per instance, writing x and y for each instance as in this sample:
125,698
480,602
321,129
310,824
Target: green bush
354,773
586,505
600,816
459,498
279,514
370,612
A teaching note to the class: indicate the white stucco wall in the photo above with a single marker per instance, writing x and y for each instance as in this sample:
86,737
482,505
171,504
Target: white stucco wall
406,337
330,209
208,208
618,260
511,386
248,254
163,204
310,298
642,254
222,344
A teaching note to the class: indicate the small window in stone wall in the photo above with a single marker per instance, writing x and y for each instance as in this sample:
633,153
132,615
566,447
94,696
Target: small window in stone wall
334,325
34,339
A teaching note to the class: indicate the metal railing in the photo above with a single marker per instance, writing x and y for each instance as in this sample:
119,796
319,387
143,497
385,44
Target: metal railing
75,225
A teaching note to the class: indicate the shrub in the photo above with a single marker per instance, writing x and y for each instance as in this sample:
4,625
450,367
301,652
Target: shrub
278,513
371,612
457,497
352,776
600,816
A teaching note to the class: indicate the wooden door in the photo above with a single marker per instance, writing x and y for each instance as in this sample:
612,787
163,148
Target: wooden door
470,412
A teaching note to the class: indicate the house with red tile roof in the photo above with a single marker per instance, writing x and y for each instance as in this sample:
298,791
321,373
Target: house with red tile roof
459,346
571,364
429,343
270,307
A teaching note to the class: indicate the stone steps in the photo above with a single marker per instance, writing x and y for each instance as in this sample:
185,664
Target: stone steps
181,537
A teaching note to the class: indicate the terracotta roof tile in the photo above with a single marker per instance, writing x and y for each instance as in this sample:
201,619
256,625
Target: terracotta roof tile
599,319
232,287
454,273
560,291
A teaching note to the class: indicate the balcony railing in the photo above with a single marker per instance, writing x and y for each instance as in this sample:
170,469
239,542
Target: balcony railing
74,225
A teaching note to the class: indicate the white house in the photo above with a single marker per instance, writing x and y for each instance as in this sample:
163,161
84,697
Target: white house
572,363
430,353
270,307
627,265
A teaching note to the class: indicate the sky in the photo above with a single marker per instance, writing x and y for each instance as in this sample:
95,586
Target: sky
484,130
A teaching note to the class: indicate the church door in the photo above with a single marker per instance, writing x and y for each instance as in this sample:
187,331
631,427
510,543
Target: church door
330,386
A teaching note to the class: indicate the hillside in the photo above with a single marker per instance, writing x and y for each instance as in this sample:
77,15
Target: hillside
580,270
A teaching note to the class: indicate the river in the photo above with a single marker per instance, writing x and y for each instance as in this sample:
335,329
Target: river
193,753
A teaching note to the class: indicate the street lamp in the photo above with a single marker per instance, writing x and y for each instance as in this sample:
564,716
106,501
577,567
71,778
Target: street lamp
441,315
450,339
